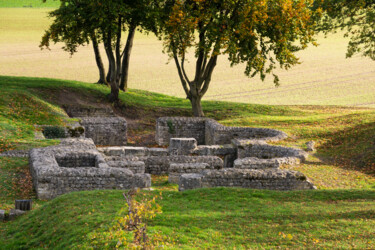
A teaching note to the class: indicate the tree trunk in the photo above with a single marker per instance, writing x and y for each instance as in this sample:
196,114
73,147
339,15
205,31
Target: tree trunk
99,61
108,78
113,96
126,59
196,105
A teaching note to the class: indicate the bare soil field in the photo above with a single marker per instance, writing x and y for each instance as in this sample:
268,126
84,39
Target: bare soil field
324,77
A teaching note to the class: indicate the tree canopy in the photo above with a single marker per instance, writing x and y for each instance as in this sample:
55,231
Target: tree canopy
356,18
77,23
263,34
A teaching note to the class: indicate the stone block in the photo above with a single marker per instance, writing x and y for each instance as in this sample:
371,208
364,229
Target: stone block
2,215
134,151
190,181
14,213
182,146
177,169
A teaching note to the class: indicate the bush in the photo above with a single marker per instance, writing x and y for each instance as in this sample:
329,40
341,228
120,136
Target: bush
52,132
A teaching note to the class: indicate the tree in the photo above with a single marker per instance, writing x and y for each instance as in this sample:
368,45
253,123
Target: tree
357,18
260,33
76,23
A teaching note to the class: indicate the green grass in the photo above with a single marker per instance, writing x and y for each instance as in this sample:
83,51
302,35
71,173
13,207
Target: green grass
29,4
339,215
209,218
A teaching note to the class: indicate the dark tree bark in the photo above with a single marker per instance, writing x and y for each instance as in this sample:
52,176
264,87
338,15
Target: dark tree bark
197,88
117,51
113,96
99,61
126,59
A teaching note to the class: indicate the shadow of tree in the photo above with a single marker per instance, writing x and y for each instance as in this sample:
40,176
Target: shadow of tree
352,148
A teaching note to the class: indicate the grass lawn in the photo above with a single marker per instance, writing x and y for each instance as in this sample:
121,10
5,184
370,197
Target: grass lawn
29,4
338,215
208,218
324,76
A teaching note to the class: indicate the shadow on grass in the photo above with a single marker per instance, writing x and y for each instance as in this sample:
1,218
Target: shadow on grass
353,148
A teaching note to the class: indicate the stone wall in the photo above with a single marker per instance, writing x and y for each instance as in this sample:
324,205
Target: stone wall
180,127
64,168
177,169
262,150
272,179
208,131
256,163
88,111
111,131
217,134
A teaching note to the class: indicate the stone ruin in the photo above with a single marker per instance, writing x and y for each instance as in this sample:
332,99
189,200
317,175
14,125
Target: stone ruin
77,165
201,153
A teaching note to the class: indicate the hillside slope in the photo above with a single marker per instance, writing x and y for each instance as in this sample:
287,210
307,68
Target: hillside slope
222,217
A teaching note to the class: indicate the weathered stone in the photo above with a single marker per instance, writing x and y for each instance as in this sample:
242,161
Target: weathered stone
160,165
310,146
137,167
256,163
182,146
265,151
208,131
106,130
14,213
177,169
2,215
190,181
274,179
76,165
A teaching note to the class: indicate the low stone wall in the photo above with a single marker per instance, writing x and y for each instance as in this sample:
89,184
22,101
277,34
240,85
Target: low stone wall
258,179
208,131
111,131
133,151
137,167
160,165
177,169
228,152
88,111
180,127
217,134
256,163
76,165
262,150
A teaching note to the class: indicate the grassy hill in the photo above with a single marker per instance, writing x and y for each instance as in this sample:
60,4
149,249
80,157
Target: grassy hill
338,215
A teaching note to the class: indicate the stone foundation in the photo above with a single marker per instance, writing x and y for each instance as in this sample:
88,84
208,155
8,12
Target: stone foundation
76,165
208,131
111,131
245,178
176,170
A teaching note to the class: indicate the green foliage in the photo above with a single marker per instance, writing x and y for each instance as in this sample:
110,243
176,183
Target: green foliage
261,34
171,129
76,132
54,132
357,18
130,223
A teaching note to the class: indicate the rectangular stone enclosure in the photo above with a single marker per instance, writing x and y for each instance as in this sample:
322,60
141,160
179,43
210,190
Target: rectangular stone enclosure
76,165
106,131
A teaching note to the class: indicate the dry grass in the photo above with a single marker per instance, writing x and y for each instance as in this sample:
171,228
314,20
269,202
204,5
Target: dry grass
325,77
